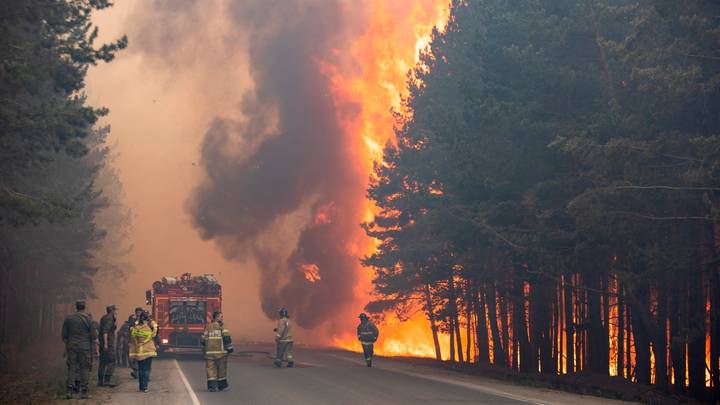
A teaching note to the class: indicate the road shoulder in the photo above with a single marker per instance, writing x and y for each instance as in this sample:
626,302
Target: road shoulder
166,386
533,395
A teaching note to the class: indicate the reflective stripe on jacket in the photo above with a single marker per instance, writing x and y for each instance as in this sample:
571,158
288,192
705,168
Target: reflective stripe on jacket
214,338
367,332
142,345
283,332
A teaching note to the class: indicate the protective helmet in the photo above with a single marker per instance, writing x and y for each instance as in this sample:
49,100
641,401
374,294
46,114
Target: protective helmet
283,312
363,316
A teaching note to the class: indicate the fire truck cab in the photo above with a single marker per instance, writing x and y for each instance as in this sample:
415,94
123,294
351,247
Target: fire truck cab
181,307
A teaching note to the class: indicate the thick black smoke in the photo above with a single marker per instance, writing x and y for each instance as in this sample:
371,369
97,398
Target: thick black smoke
286,168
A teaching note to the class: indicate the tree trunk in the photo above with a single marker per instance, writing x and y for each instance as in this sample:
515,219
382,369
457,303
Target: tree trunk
696,336
481,339
660,339
497,347
642,336
505,331
569,325
454,314
677,334
451,327
433,324
520,319
621,332
542,310
597,340
468,320
630,339
715,334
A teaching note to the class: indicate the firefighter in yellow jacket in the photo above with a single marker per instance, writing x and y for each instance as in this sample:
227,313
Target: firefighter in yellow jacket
217,345
142,347
284,340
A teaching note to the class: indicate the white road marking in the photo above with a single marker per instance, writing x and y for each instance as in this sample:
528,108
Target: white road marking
189,389
463,384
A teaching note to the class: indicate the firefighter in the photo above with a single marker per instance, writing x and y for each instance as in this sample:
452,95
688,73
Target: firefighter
132,320
217,344
367,334
106,339
122,346
142,348
284,340
80,340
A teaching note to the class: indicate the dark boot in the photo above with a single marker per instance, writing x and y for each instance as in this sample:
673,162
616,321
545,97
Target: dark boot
222,384
369,363
291,364
84,394
277,363
212,386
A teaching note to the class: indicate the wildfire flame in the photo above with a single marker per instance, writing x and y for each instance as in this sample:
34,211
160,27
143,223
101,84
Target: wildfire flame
311,272
396,34
325,214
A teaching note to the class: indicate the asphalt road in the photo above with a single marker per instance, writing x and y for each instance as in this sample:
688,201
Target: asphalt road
336,377
324,377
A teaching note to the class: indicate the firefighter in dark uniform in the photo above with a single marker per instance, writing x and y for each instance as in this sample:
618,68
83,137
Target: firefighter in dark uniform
367,334
217,344
80,338
122,346
107,347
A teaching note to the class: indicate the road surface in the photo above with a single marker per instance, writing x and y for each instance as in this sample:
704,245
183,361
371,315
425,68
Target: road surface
324,376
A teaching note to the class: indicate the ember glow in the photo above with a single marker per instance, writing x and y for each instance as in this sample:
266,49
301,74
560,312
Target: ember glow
311,272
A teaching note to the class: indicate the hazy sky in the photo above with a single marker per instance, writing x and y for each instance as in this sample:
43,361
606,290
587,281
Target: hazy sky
251,124
161,106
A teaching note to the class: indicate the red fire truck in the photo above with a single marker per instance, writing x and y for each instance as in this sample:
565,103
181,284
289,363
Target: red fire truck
182,306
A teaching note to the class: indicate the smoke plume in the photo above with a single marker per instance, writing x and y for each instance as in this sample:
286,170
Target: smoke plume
281,185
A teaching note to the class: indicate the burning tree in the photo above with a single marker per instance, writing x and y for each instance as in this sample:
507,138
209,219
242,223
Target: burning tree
553,190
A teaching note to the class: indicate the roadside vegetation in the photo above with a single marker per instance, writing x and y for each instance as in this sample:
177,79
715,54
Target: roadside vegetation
551,201
58,196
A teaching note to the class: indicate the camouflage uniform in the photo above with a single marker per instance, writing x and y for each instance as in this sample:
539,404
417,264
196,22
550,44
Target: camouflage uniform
217,344
80,339
123,346
107,354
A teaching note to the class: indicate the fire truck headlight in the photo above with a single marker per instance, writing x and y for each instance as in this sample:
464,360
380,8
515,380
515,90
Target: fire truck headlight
165,341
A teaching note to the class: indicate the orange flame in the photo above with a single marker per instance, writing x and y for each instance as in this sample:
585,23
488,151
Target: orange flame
385,52
311,272
411,337
325,214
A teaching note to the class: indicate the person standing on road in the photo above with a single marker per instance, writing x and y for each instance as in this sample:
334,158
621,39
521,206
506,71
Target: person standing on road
142,348
122,347
367,334
284,340
132,321
217,344
80,340
107,347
